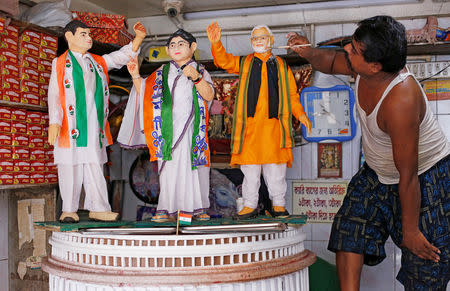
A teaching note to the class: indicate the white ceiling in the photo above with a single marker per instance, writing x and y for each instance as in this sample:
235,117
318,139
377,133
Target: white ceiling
144,8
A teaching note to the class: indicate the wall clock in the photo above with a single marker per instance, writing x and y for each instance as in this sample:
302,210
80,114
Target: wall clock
331,111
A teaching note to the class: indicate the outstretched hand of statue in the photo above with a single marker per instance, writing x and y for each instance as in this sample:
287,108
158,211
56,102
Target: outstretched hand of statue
214,32
139,30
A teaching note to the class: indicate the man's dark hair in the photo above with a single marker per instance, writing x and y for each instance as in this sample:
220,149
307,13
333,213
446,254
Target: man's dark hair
72,27
384,41
184,35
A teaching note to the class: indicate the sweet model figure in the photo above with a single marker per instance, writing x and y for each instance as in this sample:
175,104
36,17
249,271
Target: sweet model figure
78,110
168,113
262,131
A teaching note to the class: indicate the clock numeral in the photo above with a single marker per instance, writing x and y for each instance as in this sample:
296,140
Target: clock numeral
329,131
345,101
347,123
346,112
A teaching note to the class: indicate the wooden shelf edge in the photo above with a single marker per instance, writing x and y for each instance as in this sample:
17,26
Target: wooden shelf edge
23,106
21,186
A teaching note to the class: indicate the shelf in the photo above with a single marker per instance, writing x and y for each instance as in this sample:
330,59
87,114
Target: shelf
23,106
20,186
439,48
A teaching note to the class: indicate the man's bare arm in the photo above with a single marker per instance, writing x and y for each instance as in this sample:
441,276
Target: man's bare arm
324,60
400,117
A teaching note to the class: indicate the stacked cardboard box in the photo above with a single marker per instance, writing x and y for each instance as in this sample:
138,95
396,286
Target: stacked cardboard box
25,65
25,155
25,68
106,28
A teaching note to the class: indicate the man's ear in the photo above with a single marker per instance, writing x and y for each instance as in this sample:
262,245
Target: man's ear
69,36
376,67
193,47
167,50
271,41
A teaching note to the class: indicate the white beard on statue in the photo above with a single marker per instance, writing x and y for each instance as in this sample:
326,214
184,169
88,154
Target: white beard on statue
260,50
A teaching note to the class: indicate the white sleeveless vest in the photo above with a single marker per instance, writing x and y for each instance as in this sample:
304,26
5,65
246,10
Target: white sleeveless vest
377,146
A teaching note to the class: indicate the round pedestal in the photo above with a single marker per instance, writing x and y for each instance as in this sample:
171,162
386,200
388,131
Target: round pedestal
271,261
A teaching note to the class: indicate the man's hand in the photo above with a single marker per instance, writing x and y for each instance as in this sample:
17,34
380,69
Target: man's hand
53,133
133,68
139,30
305,121
416,242
296,39
191,72
214,32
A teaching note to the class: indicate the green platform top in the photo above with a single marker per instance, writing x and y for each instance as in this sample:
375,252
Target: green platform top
87,224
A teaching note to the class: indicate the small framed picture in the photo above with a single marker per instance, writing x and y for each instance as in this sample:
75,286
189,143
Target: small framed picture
329,160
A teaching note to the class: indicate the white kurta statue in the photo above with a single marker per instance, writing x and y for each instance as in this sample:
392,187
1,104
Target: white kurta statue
168,113
78,110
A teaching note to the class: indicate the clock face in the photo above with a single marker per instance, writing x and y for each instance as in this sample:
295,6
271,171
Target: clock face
330,111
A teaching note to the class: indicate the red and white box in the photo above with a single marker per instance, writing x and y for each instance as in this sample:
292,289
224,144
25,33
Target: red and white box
30,49
44,77
46,144
45,118
11,95
36,142
43,89
5,139
10,57
5,126
6,178
9,69
27,86
34,129
5,113
19,114
44,65
47,53
11,31
9,43
51,167
30,98
11,83
49,154
20,140
20,153
5,153
106,28
43,100
45,130
21,178
37,154
31,36
49,41
6,166
22,166
26,61
51,178
34,117
37,178
29,74
18,127
37,166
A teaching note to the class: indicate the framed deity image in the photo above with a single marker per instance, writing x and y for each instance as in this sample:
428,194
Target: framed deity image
329,160
331,111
